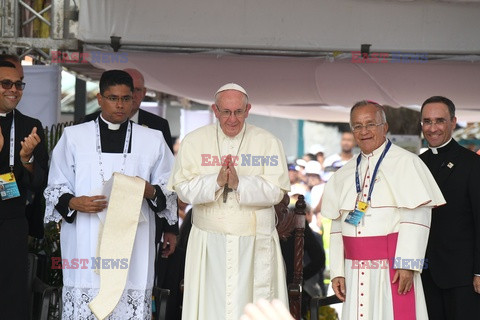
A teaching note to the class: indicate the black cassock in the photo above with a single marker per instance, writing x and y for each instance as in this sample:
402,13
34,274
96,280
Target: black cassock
13,222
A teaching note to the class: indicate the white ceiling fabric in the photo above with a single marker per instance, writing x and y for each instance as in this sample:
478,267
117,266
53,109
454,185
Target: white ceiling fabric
309,88
320,25
321,89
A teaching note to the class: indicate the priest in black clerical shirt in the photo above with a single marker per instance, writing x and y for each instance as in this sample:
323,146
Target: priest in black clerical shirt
23,167
452,280
166,234
84,159
150,120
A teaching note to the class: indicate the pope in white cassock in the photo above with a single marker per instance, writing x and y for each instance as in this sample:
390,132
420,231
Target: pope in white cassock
233,173
117,246
380,203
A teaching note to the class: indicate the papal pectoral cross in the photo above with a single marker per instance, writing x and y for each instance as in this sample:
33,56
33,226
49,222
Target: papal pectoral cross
226,190
363,218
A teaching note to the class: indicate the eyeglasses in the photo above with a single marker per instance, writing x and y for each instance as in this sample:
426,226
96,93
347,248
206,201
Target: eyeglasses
8,84
368,126
438,122
227,113
117,99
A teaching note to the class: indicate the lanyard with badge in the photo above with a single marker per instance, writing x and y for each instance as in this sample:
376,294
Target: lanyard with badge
8,184
361,207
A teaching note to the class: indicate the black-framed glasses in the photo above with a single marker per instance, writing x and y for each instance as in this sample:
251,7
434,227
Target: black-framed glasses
368,126
117,99
429,122
8,84
225,113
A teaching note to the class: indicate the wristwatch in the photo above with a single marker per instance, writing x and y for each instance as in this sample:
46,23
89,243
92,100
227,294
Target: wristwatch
30,161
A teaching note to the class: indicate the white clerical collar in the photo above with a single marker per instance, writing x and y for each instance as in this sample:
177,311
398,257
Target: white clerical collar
134,118
3,114
111,126
377,151
435,149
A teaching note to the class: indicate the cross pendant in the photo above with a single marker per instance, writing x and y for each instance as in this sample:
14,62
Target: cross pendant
363,218
226,190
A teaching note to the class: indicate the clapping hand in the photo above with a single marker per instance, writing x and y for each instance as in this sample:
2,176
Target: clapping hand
28,145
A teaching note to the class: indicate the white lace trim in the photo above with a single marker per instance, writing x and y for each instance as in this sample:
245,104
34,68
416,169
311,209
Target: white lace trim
134,304
52,194
170,212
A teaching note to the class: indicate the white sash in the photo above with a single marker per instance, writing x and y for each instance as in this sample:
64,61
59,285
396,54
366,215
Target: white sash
117,240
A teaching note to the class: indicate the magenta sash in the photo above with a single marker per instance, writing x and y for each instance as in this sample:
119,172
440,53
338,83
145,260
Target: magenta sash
379,248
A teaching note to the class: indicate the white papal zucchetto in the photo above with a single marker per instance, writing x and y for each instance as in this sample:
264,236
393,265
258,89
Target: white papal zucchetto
231,86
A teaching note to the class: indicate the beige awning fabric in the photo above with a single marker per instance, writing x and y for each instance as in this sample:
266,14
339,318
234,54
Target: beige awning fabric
305,87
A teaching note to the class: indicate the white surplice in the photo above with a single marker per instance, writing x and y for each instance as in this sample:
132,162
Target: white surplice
403,195
75,169
233,254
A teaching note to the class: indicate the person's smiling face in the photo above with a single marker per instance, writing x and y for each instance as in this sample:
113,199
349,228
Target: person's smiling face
368,139
437,123
231,109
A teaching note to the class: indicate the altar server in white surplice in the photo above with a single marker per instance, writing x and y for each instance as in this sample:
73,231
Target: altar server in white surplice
232,173
83,161
380,203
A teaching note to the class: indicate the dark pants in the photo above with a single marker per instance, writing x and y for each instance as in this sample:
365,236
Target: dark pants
170,273
14,302
457,303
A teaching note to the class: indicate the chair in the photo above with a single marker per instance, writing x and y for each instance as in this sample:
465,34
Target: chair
160,300
317,302
289,222
43,299
285,218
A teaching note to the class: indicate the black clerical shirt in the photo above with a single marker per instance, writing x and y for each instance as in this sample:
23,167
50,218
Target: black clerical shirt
113,141
10,208
15,207
437,161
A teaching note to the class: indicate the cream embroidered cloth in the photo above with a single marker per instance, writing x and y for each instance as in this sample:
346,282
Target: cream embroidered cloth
117,241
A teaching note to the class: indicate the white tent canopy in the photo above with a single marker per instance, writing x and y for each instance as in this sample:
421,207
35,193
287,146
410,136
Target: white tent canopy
317,88
309,88
328,25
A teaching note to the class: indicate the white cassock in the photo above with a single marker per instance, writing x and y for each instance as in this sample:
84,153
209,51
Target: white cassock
393,233
75,169
233,254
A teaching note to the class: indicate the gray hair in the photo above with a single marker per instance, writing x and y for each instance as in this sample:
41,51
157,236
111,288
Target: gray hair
245,97
362,103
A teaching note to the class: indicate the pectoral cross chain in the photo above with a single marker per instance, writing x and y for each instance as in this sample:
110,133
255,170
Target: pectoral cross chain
226,190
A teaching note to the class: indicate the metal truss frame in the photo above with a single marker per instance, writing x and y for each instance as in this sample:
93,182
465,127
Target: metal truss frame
58,15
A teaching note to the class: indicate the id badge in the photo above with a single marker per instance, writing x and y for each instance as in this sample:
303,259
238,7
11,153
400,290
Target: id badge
362,206
8,186
354,217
